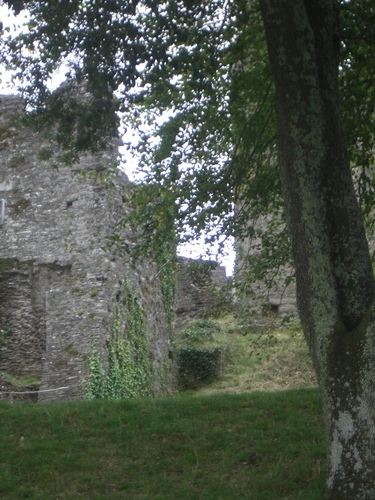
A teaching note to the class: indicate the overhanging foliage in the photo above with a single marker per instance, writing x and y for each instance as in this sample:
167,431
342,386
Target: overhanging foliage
193,79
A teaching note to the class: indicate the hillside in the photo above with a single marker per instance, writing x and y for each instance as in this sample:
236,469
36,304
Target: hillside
266,356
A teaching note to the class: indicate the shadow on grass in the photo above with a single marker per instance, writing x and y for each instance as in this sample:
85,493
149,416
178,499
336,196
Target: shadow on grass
249,446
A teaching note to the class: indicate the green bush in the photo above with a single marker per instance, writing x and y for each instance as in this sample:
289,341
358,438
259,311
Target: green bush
198,366
198,331
200,353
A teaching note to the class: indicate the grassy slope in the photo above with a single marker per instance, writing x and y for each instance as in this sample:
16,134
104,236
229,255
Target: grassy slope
267,357
250,446
206,444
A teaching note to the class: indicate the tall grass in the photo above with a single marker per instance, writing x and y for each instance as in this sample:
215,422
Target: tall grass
250,446
267,357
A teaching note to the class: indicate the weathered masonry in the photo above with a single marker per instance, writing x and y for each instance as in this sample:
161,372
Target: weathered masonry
274,293
60,288
203,289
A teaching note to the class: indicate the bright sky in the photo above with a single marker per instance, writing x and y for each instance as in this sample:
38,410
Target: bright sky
188,250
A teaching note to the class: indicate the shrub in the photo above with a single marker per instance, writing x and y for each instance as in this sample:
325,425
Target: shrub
200,353
198,366
198,332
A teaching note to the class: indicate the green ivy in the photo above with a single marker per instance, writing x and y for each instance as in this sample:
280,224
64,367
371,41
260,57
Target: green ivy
96,385
130,373
167,263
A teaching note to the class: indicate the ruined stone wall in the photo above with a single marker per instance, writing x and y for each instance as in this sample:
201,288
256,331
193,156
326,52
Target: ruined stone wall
202,289
275,293
59,285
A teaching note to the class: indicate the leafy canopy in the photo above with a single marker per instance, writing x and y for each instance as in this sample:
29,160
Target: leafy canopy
193,78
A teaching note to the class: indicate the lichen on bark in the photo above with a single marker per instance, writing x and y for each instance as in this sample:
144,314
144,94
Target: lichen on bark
335,282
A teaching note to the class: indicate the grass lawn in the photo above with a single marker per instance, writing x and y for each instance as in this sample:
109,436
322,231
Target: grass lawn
242,437
227,446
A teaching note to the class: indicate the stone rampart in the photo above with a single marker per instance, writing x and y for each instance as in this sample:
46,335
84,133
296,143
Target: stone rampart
202,289
276,292
60,286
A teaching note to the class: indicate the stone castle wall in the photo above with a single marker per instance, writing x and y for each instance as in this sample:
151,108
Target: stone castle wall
59,285
202,288
275,293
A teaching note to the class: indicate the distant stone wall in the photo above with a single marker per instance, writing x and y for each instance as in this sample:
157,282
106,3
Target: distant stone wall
276,293
202,288
59,285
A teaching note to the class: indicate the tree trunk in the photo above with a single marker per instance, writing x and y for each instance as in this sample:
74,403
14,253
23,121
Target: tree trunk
335,283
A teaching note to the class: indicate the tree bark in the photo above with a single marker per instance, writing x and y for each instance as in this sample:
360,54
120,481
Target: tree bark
335,282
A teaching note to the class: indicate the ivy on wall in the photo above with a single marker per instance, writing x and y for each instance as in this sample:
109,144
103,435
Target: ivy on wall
130,373
157,243
167,262
166,259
